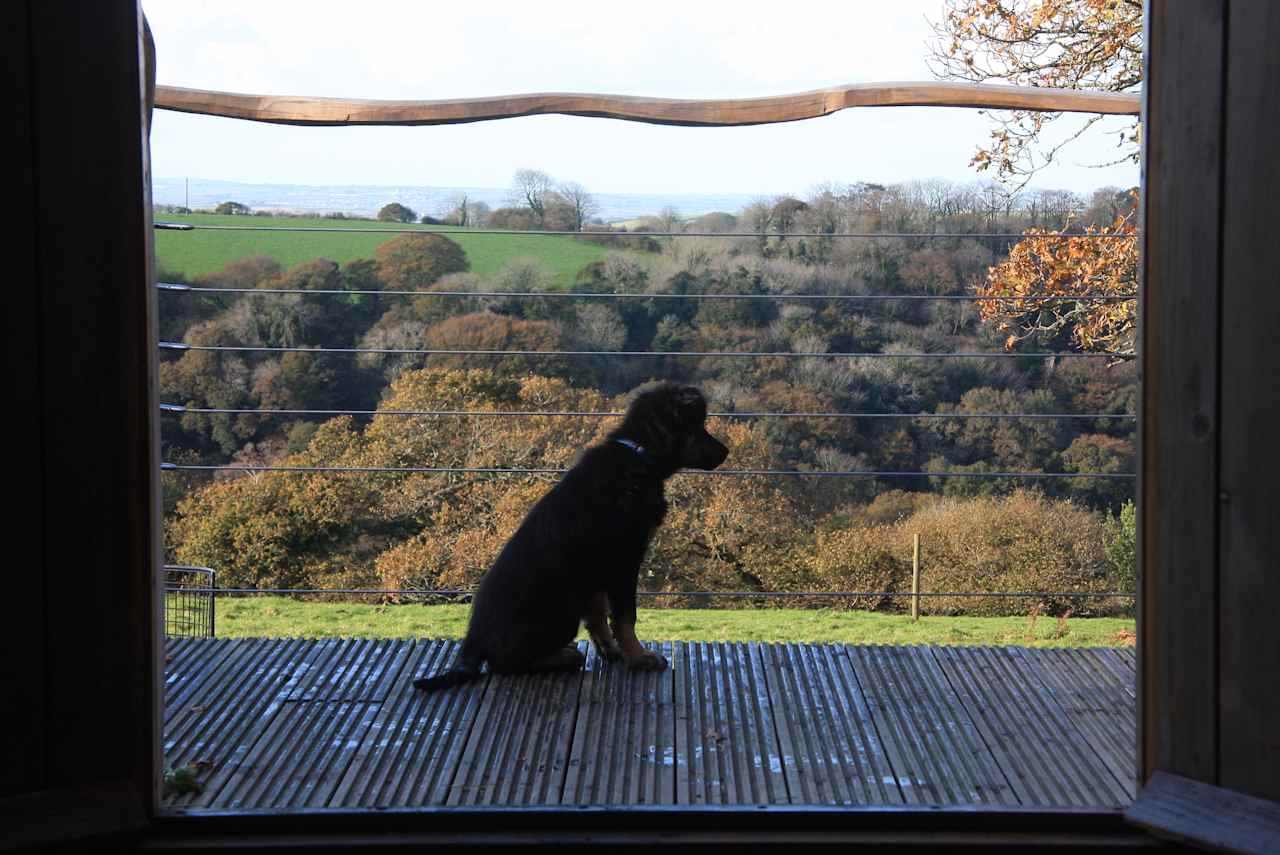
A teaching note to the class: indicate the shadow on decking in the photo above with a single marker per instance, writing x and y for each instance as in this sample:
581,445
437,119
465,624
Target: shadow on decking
294,723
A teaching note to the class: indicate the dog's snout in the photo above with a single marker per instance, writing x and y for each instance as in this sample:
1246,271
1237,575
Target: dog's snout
714,452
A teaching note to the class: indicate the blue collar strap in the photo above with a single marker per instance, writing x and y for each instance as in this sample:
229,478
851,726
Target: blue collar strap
634,446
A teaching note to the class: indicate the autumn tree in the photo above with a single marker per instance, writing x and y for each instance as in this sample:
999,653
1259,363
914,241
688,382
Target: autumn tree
929,271
515,219
1030,445
394,212
178,313
279,529
1071,44
489,332
1104,454
786,214
412,262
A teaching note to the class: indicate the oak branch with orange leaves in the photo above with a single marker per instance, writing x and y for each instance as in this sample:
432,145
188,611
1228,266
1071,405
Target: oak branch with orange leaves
1096,262
1093,45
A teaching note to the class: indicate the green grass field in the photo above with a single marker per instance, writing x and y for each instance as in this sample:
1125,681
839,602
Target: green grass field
197,252
271,617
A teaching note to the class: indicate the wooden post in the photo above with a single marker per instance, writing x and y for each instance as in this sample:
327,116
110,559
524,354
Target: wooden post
90,473
915,577
1179,423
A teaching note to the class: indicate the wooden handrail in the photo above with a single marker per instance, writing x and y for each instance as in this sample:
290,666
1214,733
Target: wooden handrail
302,110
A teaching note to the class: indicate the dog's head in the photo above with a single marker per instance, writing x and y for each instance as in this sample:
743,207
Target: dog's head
670,422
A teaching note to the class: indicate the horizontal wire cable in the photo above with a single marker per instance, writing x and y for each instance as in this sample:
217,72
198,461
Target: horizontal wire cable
631,235
783,354
179,408
595,295
600,295
457,592
487,470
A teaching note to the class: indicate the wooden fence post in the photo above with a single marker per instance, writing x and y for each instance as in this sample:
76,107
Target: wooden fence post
915,577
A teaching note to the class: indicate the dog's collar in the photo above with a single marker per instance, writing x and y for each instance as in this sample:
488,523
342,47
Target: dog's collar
639,449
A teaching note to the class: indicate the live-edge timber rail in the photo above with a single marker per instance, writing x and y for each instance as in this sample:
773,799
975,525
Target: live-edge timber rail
289,724
308,110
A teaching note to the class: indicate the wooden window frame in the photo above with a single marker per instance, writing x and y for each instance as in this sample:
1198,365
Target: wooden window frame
90,663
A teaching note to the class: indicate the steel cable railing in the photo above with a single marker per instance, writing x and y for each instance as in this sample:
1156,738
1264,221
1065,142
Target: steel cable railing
569,295
708,354
624,236
720,414
641,295
496,470
736,595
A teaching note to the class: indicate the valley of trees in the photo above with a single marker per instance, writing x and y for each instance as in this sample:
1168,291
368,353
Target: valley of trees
756,533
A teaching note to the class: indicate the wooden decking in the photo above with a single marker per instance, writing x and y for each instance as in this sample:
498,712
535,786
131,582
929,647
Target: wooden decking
293,723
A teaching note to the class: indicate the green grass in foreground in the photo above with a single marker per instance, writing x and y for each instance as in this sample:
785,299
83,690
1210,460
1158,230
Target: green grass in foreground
198,252
270,617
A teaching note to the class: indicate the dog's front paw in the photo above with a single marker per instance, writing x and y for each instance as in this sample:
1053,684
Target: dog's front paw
610,652
647,661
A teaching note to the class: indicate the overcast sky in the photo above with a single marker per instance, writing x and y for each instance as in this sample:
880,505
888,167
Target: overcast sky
383,49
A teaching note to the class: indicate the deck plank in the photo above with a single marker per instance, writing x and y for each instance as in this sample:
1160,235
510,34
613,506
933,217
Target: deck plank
295,723
701,782
355,701
500,758
932,742
189,666
806,759
409,754
757,748
831,751
187,659
267,749
685,773
1119,664
538,765
1127,655
728,739
322,721
623,749
1102,708
218,726
1045,757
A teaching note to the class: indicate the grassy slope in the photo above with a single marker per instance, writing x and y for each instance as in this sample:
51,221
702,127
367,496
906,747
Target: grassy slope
282,617
197,252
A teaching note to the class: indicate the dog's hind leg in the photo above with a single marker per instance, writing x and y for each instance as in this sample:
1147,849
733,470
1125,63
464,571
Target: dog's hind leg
597,621
565,659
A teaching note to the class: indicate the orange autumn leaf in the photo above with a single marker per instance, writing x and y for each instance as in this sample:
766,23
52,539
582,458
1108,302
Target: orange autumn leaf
1094,263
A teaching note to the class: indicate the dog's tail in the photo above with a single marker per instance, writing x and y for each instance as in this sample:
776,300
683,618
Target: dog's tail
466,669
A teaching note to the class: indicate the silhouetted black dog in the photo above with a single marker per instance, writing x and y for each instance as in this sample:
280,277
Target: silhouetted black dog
576,557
